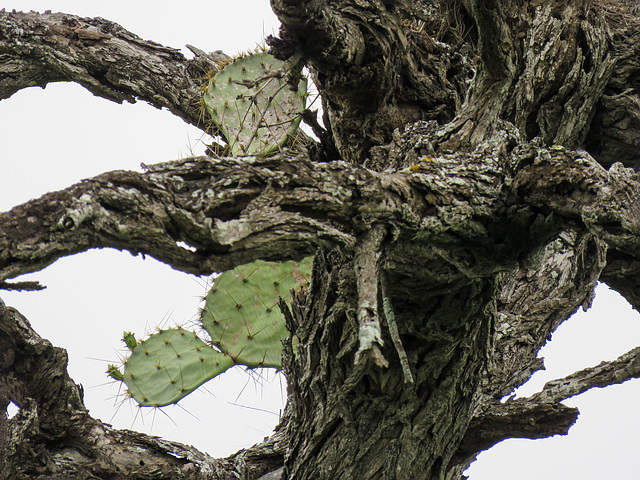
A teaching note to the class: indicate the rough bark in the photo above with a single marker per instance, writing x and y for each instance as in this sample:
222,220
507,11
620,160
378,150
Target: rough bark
560,71
103,57
477,200
377,65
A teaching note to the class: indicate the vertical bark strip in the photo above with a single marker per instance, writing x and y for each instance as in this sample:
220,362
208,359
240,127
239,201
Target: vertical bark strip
390,318
368,274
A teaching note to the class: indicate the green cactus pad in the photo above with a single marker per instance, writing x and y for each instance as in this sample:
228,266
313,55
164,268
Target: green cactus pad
169,365
255,111
241,312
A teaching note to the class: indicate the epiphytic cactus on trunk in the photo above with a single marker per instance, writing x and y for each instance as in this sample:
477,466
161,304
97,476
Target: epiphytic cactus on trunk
246,327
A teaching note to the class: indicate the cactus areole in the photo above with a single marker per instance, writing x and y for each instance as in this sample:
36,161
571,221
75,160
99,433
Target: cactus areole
253,106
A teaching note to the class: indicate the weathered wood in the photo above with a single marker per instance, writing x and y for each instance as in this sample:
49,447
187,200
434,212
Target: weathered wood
469,131
103,57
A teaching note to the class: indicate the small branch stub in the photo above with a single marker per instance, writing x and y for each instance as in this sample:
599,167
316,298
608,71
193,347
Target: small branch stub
21,286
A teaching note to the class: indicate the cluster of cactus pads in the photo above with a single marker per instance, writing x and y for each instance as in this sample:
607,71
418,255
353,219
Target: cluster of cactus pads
253,106
243,320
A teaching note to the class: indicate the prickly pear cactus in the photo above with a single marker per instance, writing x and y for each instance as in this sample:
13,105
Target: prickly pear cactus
169,365
241,315
241,312
255,111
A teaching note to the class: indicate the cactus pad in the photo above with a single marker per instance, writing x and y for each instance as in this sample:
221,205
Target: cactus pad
241,312
169,365
255,110
241,315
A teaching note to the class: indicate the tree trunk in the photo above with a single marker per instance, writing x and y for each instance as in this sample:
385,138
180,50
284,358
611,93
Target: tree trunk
470,214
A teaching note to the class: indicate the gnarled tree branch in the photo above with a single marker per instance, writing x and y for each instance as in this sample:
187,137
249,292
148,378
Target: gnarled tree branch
231,211
542,415
482,212
103,57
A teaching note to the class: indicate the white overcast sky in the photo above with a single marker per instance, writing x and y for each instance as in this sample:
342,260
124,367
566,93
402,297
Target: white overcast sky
54,137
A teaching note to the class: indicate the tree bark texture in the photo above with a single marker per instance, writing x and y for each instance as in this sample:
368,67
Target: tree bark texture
476,177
